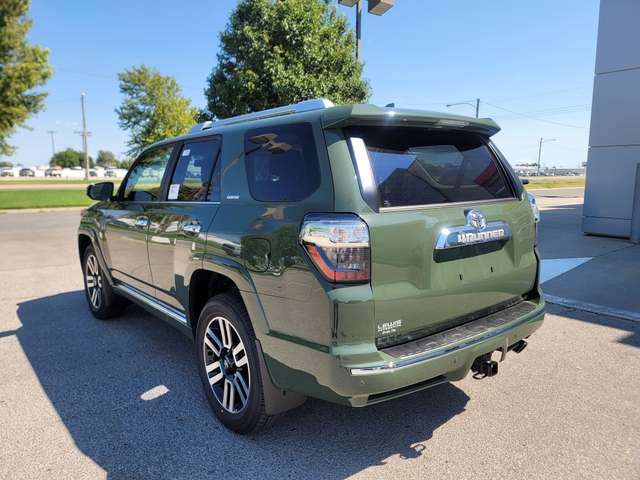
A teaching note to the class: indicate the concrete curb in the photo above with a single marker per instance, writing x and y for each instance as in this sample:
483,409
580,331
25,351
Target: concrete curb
591,308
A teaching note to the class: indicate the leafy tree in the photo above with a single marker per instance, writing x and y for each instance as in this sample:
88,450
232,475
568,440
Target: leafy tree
70,158
106,158
126,163
23,67
281,52
153,109
6,164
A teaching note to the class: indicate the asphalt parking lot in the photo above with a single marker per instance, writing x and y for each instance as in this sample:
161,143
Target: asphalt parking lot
83,398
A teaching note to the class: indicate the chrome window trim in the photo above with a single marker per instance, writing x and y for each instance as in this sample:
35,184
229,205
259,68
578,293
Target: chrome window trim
428,206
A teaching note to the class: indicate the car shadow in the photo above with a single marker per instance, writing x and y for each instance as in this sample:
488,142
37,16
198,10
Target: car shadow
129,394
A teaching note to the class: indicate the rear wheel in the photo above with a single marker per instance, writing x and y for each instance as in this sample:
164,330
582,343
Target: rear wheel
229,367
102,300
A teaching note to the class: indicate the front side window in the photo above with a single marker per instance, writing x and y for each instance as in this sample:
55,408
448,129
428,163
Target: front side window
282,162
416,166
143,182
191,181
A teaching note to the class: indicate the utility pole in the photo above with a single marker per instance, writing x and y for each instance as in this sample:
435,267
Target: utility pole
53,147
540,151
85,144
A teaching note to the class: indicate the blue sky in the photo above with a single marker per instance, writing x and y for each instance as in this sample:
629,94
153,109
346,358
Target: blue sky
530,63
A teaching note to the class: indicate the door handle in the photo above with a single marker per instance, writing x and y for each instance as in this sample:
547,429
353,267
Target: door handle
191,229
141,222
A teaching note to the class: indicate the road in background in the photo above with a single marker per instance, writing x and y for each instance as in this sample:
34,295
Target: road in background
83,398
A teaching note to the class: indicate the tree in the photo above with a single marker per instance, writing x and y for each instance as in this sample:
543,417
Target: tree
280,52
23,67
126,163
106,159
153,109
69,158
6,164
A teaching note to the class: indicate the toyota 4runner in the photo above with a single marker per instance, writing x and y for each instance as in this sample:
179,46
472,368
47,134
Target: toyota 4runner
350,253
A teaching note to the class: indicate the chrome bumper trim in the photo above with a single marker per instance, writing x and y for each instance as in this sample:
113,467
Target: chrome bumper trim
395,366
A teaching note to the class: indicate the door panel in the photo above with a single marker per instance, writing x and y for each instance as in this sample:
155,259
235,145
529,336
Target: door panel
126,229
128,220
178,225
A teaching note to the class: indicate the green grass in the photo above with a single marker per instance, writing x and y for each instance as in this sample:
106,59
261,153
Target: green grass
559,182
19,199
52,181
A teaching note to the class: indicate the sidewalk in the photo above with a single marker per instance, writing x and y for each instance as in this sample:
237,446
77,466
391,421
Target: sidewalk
586,272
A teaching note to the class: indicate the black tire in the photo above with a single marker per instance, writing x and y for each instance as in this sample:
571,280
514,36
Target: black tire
228,365
103,302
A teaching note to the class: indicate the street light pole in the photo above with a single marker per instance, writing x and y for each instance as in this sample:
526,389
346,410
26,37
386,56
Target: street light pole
358,29
540,151
377,7
476,106
53,147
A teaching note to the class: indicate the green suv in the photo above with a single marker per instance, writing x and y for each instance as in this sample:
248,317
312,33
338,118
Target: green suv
351,253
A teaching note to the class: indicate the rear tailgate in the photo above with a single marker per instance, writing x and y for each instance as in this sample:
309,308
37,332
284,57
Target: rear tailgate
452,233
420,289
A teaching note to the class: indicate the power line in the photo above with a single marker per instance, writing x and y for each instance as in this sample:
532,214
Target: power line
549,112
77,72
567,148
534,118
543,94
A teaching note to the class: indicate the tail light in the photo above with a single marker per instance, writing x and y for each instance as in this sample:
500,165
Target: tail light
338,245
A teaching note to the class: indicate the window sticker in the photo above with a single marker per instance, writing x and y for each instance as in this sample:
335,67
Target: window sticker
173,191
186,152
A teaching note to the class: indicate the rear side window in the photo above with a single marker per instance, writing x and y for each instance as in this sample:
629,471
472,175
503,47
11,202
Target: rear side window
191,181
416,166
282,162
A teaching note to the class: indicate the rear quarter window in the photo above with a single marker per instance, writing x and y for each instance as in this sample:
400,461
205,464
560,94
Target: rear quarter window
417,166
282,162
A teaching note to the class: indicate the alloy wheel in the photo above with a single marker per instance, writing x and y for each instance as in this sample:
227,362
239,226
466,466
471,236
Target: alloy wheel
93,281
227,365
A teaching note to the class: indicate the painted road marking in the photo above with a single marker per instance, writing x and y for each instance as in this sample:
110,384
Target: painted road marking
551,268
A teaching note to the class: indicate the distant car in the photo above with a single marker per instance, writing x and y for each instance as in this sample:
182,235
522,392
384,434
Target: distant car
93,173
110,172
52,172
27,172
6,172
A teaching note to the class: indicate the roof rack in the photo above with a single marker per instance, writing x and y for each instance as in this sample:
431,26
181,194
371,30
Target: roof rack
305,106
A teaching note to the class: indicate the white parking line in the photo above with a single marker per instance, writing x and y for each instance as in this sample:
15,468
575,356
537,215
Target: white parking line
551,268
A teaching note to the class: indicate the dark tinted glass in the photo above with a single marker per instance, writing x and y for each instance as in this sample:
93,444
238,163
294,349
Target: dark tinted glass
282,162
192,176
415,166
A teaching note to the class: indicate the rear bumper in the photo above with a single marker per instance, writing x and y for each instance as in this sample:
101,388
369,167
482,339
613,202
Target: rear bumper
362,375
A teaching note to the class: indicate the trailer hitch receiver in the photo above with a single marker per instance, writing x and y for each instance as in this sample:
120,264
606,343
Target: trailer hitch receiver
483,367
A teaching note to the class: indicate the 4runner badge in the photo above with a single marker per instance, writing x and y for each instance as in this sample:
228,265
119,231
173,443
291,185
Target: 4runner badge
389,327
477,230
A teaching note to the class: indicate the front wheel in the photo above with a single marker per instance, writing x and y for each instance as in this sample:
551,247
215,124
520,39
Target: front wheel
102,301
228,365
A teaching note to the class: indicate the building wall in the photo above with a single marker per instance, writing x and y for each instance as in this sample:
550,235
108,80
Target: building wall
614,138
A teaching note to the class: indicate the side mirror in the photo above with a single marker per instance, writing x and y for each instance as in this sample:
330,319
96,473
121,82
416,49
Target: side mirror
525,181
100,191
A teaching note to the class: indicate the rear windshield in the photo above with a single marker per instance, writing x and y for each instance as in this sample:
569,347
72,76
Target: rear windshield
418,166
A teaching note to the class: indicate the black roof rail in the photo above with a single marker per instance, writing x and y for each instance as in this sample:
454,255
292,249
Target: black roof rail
305,106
